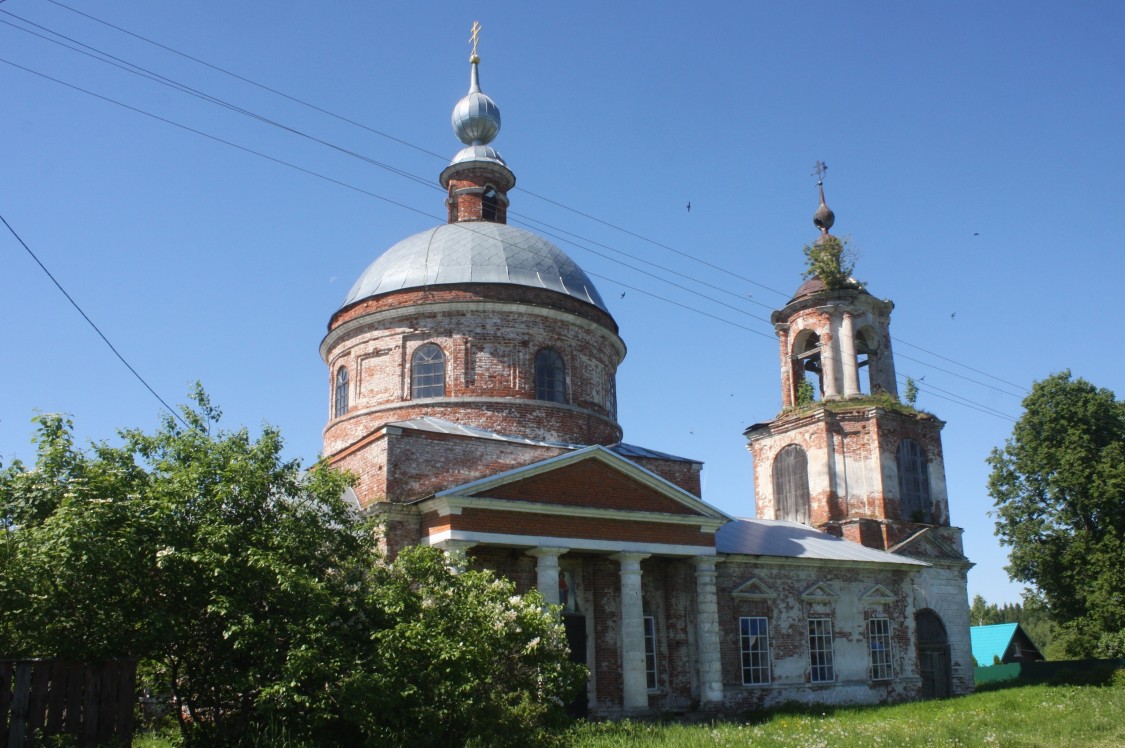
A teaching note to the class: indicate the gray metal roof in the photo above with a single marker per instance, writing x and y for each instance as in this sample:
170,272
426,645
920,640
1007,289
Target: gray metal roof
475,252
776,537
441,426
632,450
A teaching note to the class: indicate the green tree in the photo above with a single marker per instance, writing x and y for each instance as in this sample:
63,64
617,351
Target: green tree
253,596
462,656
910,394
1059,492
832,261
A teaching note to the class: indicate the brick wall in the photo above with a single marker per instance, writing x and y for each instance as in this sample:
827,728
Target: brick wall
852,469
489,337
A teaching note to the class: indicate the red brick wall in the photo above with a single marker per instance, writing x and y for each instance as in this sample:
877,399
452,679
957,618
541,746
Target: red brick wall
589,483
524,523
489,356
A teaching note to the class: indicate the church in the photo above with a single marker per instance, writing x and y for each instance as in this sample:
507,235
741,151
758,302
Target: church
472,392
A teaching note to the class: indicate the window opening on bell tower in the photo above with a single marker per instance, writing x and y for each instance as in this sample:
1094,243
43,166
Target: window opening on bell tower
807,353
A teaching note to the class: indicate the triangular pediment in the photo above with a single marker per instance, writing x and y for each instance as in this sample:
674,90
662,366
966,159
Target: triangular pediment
926,544
590,478
819,591
753,589
878,594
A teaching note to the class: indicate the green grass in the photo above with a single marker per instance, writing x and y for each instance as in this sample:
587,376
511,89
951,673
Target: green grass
1017,717
1029,716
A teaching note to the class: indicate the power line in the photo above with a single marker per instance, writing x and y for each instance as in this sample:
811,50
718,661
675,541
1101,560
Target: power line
960,400
91,322
248,80
138,70
135,69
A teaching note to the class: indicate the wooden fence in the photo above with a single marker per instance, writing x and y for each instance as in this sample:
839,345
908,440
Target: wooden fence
1061,671
92,702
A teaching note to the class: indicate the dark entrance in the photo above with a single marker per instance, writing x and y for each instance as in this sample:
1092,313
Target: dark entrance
575,624
934,661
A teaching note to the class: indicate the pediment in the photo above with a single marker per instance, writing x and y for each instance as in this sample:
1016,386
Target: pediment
753,589
819,591
592,478
926,544
878,594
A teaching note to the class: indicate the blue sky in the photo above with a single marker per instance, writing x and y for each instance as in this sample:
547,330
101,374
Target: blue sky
975,160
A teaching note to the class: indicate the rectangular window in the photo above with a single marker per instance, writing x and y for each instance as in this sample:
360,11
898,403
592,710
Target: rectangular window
650,652
755,646
820,650
879,641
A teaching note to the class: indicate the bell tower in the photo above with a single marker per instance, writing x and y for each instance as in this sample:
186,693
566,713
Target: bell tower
845,455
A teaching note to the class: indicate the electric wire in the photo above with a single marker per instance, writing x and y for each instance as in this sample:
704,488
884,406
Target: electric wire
262,86
90,322
377,196
425,182
187,89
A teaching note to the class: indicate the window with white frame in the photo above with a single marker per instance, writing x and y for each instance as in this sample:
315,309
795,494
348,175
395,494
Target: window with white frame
879,644
820,650
650,652
754,638
427,372
340,407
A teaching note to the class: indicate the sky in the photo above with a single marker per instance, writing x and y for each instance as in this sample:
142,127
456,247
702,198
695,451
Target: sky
975,162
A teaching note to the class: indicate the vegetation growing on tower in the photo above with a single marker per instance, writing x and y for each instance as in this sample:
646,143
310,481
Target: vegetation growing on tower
831,260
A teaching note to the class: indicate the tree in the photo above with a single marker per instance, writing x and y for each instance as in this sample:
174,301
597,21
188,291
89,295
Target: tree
910,394
253,595
832,261
462,656
1059,492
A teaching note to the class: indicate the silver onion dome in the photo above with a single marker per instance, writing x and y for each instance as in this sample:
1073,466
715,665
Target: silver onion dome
476,118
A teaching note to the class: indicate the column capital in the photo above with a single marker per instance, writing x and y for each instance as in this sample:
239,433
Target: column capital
630,561
705,564
546,551
456,546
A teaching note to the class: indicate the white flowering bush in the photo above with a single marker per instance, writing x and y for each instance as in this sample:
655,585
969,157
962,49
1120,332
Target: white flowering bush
461,658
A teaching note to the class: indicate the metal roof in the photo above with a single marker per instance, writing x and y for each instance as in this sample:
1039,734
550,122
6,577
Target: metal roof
441,426
632,450
990,642
475,252
776,537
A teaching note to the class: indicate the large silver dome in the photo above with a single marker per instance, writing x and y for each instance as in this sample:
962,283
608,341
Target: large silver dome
475,252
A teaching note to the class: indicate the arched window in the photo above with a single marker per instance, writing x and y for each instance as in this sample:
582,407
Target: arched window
791,484
427,372
806,350
340,407
913,482
550,376
489,204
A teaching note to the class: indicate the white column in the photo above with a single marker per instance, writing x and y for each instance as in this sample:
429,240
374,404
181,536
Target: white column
707,613
456,550
547,572
634,682
848,354
829,365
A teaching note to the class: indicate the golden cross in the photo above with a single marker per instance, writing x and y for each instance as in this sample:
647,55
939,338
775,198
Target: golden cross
475,38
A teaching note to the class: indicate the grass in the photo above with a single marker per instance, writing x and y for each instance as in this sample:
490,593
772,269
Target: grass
1014,717
1009,716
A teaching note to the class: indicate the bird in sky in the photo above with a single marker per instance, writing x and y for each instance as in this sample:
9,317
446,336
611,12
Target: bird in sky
689,206
953,316
623,294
